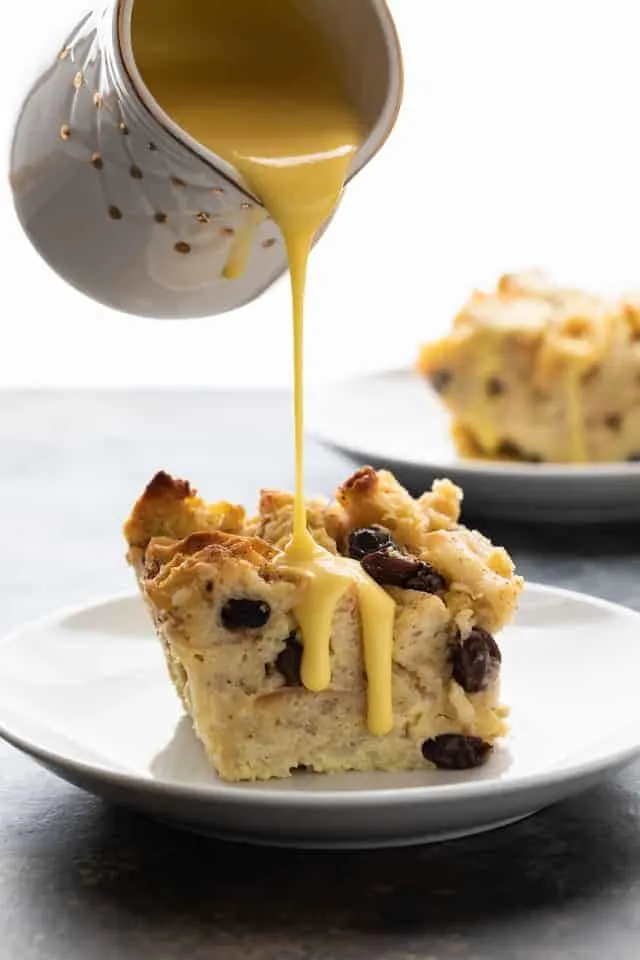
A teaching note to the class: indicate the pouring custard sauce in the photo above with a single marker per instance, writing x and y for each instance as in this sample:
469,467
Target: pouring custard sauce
258,84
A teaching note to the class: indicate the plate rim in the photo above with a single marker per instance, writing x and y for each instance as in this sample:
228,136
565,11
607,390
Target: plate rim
251,794
612,469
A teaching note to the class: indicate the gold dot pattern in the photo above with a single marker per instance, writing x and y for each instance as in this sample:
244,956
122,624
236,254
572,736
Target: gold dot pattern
159,217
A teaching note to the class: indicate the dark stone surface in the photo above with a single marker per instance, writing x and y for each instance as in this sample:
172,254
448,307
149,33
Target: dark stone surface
82,881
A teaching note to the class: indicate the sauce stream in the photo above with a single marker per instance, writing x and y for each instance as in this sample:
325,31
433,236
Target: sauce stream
259,85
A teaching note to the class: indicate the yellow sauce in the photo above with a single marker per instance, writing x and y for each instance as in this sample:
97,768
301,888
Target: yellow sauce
577,452
330,577
258,84
488,366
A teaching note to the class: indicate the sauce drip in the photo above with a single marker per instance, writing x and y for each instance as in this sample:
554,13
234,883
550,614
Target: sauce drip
577,452
258,84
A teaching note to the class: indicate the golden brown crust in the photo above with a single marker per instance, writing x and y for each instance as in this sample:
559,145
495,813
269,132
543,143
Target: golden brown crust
173,533
159,498
163,486
209,547
362,483
375,497
172,508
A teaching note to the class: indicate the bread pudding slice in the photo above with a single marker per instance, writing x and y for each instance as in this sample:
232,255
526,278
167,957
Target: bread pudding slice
536,372
223,609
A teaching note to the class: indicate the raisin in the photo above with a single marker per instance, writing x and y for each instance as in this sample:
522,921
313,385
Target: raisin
454,751
440,380
367,540
589,375
244,614
495,387
509,449
476,661
426,580
392,569
613,421
289,661
512,451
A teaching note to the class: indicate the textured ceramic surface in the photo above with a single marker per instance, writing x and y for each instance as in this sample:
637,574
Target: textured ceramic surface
394,420
125,206
85,692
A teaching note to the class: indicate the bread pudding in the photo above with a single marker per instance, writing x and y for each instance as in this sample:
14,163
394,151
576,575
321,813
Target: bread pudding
225,610
538,373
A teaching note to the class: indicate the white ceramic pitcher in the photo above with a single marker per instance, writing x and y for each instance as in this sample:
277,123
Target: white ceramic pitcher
126,206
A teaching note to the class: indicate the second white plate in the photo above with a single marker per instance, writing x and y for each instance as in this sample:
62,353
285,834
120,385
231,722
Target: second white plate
394,420
86,693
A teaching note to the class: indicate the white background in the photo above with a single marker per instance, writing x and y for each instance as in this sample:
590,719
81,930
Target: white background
517,145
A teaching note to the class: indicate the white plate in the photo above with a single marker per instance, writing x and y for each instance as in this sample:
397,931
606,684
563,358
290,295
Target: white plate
395,420
85,693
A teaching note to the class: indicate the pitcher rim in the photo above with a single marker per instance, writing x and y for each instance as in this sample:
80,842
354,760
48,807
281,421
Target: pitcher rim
376,139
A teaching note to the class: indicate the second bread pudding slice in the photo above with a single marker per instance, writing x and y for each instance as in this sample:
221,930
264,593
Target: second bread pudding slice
537,372
224,610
